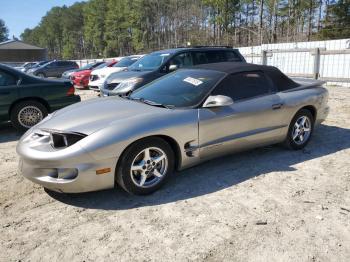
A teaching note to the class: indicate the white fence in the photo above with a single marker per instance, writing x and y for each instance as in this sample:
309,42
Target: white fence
325,60
84,62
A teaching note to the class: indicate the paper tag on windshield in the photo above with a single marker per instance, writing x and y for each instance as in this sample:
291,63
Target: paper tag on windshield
193,81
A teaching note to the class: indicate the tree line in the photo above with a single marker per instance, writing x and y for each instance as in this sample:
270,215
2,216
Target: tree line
4,32
107,28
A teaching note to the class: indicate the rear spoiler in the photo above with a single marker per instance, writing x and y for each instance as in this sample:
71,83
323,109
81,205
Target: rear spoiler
305,83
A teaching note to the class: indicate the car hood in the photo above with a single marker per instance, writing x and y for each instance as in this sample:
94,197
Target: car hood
121,76
70,71
90,116
108,70
81,72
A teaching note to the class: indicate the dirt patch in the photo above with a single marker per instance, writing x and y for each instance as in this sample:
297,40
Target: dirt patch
269,204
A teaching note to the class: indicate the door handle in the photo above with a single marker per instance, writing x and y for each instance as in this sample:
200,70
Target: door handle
277,106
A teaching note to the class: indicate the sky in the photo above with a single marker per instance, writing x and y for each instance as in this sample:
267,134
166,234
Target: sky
21,14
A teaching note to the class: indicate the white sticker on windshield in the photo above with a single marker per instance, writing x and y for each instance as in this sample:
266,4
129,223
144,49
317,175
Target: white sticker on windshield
193,81
164,54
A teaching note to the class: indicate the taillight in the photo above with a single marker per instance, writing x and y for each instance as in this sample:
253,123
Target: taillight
71,91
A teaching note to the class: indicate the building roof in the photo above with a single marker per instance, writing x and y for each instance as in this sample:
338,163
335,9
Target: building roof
17,44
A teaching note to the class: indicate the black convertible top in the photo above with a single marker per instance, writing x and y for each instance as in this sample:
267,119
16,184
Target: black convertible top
280,80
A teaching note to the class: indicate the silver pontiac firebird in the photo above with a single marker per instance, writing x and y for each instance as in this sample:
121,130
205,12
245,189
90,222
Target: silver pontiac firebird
172,123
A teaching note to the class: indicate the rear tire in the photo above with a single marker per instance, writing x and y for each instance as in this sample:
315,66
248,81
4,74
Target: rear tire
26,114
300,130
145,166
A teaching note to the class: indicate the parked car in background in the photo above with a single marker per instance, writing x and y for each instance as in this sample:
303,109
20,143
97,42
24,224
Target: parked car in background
160,63
53,69
98,76
36,65
25,66
81,77
90,66
172,123
26,100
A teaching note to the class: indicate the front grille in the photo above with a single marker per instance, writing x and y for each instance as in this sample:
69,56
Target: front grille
93,77
111,86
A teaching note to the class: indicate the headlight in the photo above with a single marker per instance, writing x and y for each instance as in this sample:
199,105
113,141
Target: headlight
64,139
128,84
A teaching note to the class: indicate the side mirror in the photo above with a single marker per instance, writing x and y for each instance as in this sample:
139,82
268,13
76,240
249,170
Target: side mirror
172,68
217,101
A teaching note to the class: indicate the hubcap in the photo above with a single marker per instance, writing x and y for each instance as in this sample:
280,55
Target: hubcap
149,167
301,130
29,116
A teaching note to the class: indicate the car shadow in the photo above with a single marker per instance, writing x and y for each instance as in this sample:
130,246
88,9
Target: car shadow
8,133
218,174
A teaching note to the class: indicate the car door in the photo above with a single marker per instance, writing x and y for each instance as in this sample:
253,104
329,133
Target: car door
252,120
60,68
8,93
50,69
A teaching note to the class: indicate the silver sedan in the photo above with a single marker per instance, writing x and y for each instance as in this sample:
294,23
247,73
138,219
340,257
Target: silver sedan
175,122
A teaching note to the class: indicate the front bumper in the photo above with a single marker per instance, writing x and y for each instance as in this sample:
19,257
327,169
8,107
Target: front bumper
69,170
81,82
94,87
106,92
96,84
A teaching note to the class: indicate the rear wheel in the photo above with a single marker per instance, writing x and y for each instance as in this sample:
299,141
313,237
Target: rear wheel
145,166
300,130
26,114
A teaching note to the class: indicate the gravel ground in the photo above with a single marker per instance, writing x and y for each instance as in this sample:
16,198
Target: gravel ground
269,204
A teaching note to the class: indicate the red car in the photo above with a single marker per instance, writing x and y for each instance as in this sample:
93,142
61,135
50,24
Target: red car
81,77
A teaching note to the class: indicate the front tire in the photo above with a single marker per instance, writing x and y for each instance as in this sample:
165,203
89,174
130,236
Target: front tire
145,166
26,114
300,130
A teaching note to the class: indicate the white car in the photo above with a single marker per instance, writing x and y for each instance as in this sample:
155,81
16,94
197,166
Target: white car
25,66
98,76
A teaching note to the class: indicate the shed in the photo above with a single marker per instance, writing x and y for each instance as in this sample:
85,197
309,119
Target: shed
14,51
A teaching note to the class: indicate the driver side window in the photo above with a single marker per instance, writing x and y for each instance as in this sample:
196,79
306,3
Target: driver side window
244,86
181,60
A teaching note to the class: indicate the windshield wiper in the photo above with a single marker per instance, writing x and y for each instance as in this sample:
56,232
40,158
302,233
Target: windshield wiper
148,102
151,103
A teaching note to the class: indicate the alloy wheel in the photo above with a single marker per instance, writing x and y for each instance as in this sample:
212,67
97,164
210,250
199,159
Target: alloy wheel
301,130
29,116
149,167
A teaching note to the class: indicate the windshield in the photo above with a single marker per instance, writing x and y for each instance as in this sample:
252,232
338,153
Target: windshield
88,66
183,88
149,62
104,64
126,61
27,65
40,64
